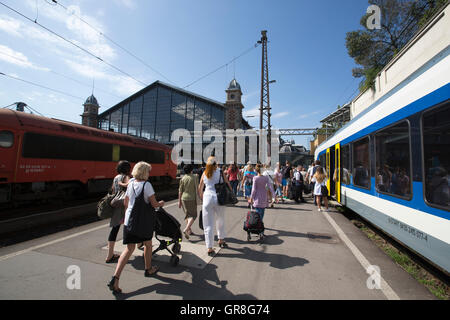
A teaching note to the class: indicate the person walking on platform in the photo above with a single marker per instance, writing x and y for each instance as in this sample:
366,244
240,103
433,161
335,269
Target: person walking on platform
258,197
311,172
320,189
233,176
138,184
187,198
212,212
268,172
120,183
278,178
287,179
297,185
247,182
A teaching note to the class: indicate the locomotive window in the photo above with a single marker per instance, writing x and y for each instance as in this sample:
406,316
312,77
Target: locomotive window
345,164
436,153
62,148
136,154
393,161
6,139
361,164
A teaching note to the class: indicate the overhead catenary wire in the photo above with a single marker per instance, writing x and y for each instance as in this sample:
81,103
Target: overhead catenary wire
112,41
223,66
76,45
41,86
64,76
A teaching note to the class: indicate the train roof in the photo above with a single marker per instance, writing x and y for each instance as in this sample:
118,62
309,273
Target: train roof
13,119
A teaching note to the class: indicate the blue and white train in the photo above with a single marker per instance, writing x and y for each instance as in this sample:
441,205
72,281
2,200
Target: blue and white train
392,162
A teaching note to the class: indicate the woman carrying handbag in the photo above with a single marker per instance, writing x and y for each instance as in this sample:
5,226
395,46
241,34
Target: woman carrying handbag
120,184
212,212
138,224
320,187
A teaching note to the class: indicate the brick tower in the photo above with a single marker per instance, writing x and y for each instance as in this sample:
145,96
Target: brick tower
233,106
90,114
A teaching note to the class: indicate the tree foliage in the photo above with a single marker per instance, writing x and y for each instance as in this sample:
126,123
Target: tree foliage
400,20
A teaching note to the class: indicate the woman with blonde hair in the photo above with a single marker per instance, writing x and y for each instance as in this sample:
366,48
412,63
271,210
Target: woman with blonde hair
320,180
211,211
136,186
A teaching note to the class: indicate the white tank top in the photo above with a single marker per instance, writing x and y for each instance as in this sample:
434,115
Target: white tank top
210,183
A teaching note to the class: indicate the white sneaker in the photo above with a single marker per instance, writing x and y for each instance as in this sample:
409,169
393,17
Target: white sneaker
319,209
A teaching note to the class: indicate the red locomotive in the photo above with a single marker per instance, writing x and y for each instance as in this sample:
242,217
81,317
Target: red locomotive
42,158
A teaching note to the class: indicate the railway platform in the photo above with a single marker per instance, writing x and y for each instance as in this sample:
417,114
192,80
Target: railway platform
306,254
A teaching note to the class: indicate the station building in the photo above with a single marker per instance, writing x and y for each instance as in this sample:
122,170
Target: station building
157,110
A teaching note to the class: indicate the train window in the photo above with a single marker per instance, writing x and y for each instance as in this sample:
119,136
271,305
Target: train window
6,139
345,164
393,161
436,156
57,147
323,160
361,164
137,154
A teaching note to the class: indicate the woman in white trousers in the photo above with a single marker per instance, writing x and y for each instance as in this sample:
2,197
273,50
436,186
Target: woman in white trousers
211,211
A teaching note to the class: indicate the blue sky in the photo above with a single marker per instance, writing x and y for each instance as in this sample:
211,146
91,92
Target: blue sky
182,40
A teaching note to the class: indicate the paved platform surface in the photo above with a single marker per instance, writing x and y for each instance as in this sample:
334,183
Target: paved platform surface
306,254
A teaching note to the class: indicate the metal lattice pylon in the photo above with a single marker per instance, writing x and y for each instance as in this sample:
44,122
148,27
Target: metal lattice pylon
264,109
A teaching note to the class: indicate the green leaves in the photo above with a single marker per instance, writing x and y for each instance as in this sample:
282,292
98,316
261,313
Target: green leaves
373,49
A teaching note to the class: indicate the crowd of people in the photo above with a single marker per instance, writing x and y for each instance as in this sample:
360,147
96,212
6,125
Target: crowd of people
260,185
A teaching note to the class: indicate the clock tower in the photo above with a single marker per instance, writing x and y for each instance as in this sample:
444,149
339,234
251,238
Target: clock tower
233,106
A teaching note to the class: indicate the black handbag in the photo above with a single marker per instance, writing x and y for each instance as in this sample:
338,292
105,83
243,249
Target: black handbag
142,217
200,220
224,194
324,191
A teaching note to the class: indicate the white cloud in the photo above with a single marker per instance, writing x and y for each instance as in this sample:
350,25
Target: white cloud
17,58
280,115
10,25
253,112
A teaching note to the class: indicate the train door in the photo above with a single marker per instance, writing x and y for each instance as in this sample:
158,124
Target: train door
338,172
9,144
330,167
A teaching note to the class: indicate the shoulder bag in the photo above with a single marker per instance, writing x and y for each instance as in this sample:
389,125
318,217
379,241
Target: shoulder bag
142,217
104,209
224,194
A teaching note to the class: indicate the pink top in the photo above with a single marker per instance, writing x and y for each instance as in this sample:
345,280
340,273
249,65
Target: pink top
232,175
278,177
259,191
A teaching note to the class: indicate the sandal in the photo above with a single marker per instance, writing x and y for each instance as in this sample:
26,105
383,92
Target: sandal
113,259
211,253
223,244
111,285
152,271
186,235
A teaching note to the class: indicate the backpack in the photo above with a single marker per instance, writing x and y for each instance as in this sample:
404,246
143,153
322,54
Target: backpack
249,179
104,208
253,222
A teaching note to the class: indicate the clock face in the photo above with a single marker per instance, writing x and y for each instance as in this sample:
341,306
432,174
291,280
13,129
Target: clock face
232,96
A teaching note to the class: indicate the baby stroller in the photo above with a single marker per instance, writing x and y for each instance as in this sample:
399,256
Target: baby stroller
167,226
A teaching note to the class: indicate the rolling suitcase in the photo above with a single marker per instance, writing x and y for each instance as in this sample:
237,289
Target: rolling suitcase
253,224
